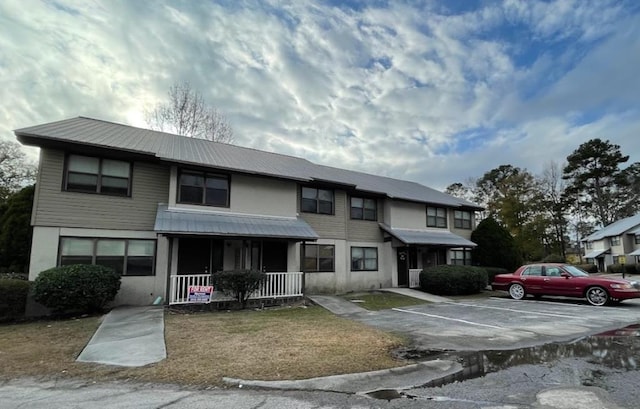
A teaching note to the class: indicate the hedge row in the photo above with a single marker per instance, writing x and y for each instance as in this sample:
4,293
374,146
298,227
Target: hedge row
453,280
623,268
13,298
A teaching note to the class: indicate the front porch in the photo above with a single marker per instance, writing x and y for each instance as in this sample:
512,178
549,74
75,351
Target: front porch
276,285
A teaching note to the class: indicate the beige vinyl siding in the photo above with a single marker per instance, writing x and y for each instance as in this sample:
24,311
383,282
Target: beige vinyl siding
328,226
150,186
364,230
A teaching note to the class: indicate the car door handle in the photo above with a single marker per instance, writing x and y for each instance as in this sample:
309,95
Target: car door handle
546,279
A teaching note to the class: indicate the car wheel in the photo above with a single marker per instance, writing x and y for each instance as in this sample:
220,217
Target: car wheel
597,296
516,291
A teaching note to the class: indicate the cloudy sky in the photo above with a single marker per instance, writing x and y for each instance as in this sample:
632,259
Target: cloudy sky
430,91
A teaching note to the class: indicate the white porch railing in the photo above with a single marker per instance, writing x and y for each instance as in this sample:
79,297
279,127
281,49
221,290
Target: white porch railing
276,285
414,277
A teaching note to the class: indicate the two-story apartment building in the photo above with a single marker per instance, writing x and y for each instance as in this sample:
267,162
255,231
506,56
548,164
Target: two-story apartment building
617,243
157,207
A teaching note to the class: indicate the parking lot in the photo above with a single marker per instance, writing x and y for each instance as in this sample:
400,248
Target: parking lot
500,323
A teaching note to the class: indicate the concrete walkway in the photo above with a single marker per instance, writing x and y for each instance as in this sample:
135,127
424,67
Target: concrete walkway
421,295
128,336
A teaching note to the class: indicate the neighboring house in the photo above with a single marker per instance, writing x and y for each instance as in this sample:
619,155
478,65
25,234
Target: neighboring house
165,210
617,243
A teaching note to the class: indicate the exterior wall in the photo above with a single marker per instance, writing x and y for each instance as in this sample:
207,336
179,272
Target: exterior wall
408,215
133,290
249,195
326,225
55,207
364,230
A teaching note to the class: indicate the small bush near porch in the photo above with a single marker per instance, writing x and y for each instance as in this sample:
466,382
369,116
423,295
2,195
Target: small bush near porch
453,280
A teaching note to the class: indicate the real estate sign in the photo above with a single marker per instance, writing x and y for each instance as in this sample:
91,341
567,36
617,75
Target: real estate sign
200,293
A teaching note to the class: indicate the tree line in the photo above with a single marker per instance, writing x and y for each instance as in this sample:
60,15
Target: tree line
546,213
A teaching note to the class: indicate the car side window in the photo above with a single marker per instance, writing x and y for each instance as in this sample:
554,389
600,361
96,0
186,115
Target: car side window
553,272
532,271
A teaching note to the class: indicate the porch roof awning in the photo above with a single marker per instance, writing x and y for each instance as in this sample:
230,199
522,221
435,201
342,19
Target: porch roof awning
180,221
434,237
635,253
596,253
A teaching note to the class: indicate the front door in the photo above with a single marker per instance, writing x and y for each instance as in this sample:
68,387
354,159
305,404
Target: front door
274,256
199,256
403,267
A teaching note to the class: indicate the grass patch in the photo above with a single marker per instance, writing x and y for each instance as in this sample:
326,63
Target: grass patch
287,343
376,301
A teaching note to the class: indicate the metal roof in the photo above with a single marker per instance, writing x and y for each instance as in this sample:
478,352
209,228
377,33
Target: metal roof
433,237
635,253
616,228
596,253
180,221
180,149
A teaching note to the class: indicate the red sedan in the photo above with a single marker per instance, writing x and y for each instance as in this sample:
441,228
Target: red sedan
565,280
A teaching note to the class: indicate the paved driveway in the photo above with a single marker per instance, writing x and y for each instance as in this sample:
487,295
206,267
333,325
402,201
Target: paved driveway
500,323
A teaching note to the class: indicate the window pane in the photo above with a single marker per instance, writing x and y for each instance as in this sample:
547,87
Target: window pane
84,164
370,252
326,264
191,179
441,222
356,213
370,214
309,205
325,195
311,250
309,193
110,248
139,266
370,204
325,207
310,264
217,183
441,212
114,262
141,248
69,260
370,264
114,185
190,194
326,251
115,168
216,197
356,202
77,247
78,181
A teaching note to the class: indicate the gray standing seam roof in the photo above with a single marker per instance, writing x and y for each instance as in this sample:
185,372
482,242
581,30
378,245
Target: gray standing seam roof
616,228
433,237
180,221
180,149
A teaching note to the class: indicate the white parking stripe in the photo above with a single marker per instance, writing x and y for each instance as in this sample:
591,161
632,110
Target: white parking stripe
447,318
514,310
571,305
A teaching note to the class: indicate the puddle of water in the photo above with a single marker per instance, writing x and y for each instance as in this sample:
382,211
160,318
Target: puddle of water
618,349
385,394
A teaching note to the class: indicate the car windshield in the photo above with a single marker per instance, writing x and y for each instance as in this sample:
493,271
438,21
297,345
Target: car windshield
576,272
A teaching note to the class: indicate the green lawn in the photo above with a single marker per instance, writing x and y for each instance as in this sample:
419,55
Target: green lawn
375,301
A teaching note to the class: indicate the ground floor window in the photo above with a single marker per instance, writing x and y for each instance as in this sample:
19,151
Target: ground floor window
461,257
319,257
364,258
129,257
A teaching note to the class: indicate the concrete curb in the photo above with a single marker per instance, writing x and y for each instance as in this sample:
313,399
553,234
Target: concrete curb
401,378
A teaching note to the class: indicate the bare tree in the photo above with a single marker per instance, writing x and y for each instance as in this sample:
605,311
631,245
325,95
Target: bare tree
16,171
187,114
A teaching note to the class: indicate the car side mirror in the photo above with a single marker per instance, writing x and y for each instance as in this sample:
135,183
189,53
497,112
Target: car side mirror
565,275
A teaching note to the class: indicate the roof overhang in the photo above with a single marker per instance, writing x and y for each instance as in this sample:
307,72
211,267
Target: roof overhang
596,253
635,253
430,237
172,221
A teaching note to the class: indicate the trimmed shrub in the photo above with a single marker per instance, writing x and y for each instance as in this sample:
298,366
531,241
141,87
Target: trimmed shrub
554,258
615,269
494,271
630,268
453,280
13,298
238,284
78,288
589,268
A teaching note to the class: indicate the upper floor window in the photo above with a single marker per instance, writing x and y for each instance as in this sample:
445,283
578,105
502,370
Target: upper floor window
589,245
319,257
126,256
97,175
203,189
364,258
436,217
461,219
317,200
637,238
615,241
363,209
